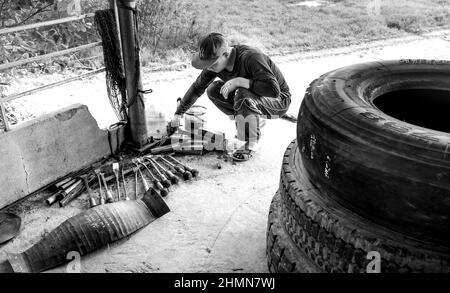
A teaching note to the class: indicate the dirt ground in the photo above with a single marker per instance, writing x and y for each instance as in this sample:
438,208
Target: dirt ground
217,222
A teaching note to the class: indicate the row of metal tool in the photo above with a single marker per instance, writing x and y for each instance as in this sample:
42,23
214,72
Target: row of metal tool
163,171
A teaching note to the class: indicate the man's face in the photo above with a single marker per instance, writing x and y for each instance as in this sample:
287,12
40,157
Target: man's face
220,63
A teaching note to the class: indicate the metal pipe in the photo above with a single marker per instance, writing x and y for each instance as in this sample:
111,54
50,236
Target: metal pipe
128,35
3,116
51,85
44,23
48,56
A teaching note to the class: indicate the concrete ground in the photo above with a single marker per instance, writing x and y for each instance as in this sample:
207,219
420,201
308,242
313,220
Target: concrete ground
217,222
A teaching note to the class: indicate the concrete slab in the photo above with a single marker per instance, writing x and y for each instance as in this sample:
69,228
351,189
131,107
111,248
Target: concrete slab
40,151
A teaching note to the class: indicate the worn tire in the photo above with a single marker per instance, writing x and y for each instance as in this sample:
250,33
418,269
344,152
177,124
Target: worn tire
283,256
339,240
394,173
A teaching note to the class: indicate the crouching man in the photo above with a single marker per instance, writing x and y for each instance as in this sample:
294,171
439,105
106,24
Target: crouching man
250,87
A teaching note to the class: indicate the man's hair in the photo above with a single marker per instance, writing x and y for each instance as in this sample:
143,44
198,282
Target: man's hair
210,46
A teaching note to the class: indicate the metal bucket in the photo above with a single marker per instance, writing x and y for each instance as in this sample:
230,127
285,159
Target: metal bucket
194,118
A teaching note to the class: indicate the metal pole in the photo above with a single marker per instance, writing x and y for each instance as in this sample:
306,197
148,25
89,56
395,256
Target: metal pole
3,117
41,24
136,112
48,86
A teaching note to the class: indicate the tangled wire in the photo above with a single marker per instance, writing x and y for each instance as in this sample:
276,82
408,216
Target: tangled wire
115,76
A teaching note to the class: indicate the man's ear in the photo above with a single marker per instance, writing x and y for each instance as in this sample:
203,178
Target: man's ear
227,53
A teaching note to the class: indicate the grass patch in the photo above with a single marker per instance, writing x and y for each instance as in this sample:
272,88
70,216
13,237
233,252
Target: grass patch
280,26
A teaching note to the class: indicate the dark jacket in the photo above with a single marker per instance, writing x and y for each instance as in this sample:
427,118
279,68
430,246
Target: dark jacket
250,63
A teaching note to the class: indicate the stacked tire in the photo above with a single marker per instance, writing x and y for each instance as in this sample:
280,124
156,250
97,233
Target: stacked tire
364,188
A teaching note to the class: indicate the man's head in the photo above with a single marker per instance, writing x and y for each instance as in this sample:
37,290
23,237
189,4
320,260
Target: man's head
213,53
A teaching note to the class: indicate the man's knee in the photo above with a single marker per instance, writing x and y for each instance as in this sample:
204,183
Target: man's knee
213,89
244,102
242,93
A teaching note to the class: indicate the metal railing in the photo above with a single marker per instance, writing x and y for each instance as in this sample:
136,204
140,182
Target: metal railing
4,66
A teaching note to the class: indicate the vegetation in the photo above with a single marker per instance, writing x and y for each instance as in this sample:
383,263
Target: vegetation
170,29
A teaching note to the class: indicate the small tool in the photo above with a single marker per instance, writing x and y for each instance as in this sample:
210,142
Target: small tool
124,186
57,196
92,202
165,182
135,170
62,182
109,196
171,129
67,184
100,192
156,184
173,179
116,168
186,167
62,193
144,181
71,193
186,174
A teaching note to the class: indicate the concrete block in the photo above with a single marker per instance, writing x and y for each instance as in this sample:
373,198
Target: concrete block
38,152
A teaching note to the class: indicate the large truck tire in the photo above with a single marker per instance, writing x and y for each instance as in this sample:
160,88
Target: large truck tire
283,256
375,137
337,239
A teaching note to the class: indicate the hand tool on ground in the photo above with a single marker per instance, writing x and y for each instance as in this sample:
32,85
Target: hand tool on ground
100,192
144,181
116,167
9,226
289,117
154,191
173,179
135,169
72,192
109,197
62,182
165,182
186,167
186,174
156,184
68,183
124,186
61,193
171,129
92,202
57,196
166,148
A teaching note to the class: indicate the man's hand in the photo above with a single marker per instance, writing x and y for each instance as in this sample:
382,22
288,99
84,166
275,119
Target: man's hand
233,84
175,122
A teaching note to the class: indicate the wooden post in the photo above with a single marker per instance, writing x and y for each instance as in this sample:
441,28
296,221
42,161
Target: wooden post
136,112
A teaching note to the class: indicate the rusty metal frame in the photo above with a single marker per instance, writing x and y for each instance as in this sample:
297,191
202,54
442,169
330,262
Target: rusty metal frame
50,85
44,23
5,66
4,99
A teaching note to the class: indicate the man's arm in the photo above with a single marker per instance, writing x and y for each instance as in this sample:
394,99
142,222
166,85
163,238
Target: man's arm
196,90
263,81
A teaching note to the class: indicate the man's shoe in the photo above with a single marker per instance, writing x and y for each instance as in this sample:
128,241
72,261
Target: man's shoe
289,117
243,155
